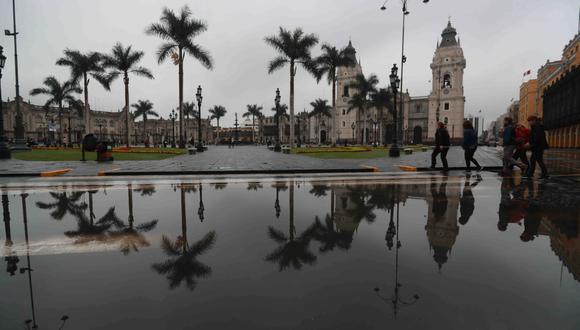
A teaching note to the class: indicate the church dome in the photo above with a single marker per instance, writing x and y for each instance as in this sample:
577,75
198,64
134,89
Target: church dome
448,36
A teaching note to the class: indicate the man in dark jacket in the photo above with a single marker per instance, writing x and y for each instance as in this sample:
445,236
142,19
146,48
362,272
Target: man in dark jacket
538,144
509,146
442,143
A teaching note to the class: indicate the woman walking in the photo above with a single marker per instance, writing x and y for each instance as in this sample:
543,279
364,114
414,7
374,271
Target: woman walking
470,145
538,144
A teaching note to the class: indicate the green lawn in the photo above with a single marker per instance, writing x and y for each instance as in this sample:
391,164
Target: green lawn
75,154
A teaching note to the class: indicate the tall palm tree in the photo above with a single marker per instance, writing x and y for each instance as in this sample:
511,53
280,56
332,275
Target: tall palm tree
320,108
82,66
58,93
123,61
144,108
218,112
294,49
382,100
178,32
328,63
254,111
188,110
360,101
261,117
64,204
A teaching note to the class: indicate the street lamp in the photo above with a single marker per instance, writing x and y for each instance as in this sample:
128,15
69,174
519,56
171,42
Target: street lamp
101,122
394,79
199,98
4,149
19,142
277,147
172,117
353,126
399,127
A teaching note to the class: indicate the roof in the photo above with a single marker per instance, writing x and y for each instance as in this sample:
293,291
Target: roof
448,36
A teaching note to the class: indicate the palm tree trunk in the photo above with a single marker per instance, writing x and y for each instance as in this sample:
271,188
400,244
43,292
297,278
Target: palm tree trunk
332,204
126,81
292,230
87,109
181,144
144,128
130,197
253,130
183,221
218,129
69,129
292,74
333,128
60,122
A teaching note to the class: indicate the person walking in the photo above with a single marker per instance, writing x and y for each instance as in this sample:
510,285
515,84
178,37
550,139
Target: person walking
442,143
469,145
538,144
509,146
522,140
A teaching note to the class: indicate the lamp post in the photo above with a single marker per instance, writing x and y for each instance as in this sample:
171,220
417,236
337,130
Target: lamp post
277,147
199,98
19,142
100,123
172,117
4,149
201,208
394,79
399,126
353,126
236,131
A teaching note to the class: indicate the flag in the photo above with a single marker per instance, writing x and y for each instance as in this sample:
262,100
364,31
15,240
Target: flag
527,73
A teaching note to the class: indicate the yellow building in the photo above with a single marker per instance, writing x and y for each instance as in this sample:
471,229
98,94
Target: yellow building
528,106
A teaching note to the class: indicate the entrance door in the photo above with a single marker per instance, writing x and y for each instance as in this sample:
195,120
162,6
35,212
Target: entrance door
322,137
418,135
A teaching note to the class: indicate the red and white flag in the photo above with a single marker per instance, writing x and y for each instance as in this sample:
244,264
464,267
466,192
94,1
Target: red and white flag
527,73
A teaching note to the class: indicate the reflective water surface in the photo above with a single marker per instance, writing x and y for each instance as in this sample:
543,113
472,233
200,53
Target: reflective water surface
432,252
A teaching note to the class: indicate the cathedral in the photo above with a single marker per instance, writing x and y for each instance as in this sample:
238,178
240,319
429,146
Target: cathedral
445,103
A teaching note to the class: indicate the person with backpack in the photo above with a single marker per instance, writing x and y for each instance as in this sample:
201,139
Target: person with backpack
469,145
538,144
442,143
522,140
509,146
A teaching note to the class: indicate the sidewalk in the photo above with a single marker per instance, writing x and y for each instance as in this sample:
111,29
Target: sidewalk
240,160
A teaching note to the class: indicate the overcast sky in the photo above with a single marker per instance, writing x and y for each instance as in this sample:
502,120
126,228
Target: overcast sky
501,39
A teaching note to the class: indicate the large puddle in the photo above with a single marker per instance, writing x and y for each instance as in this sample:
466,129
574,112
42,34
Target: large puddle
429,252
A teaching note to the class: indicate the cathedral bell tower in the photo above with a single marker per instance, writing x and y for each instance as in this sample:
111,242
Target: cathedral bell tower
447,100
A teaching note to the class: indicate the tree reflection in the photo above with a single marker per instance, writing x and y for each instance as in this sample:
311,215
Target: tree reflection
363,210
319,190
254,186
183,266
89,231
329,237
146,189
64,204
293,250
131,237
219,185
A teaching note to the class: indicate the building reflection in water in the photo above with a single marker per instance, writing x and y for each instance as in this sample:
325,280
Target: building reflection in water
182,265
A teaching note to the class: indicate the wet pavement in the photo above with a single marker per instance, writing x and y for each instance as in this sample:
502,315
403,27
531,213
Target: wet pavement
421,251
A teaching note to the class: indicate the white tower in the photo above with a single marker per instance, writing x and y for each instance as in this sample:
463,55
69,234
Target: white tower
345,76
447,100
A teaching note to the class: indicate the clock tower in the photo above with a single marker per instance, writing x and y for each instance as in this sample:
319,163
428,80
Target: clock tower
447,100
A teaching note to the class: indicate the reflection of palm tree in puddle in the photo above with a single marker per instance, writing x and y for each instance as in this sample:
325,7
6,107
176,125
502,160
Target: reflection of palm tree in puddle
219,185
327,235
131,237
183,265
64,204
88,231
254,186
363,210
293,250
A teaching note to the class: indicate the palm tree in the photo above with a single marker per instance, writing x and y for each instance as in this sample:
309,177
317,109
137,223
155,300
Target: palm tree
58,94
188,110
382,100
320,108
254,111
144,108
123,61
64,204
261,117
360,101
178,32
82,66
218,112
330,60
293,48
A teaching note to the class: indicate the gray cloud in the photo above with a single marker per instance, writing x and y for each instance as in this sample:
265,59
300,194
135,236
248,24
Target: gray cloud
501,39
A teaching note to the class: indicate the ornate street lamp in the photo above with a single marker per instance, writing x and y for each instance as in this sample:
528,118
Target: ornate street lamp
4,149
172,117
19,142
394,79
353,126
199,98
277,147
403,60
201,208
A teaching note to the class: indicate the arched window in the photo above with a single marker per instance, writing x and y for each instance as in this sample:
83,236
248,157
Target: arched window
446,81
